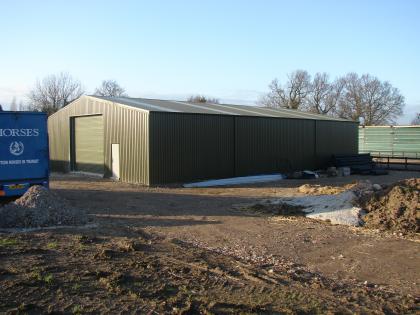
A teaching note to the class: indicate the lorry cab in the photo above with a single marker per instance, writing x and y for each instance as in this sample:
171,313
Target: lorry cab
24,156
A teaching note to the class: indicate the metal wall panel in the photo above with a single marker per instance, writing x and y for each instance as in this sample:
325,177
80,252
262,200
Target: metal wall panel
334,137
390,140
377,139
164,147
186,147
89,144
407,141
267,145
123,125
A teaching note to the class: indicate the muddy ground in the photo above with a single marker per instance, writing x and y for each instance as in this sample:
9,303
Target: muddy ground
178,250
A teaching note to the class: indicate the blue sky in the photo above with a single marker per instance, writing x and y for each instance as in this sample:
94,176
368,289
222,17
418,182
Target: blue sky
226,49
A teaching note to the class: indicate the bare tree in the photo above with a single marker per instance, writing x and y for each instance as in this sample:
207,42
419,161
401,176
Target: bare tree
54,92
110,88
416,120
370,100
203,99
334,97
13,105
292,95
350,106
324,95
319,90
361,98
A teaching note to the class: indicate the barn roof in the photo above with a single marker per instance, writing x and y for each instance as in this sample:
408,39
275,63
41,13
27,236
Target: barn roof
153,105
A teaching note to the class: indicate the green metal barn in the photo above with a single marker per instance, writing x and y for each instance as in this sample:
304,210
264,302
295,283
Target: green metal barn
157,142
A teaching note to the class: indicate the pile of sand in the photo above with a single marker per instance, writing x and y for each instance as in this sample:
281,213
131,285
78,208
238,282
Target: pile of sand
322,190
40,207
396,208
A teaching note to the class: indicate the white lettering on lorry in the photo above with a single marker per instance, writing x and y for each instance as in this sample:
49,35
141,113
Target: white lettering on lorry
19,132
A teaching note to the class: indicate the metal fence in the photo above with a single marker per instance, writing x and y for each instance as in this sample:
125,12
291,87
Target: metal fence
390,141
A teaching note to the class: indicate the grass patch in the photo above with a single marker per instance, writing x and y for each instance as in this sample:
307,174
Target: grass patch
8,242
76,287
77,309
47,279
52,245
36,275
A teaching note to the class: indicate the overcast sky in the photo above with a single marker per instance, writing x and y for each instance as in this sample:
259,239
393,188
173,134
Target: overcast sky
226,49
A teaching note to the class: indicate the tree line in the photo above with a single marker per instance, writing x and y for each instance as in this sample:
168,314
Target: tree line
362,98
58,90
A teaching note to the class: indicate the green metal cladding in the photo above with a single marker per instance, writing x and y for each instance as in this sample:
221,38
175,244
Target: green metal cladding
390,140
160,147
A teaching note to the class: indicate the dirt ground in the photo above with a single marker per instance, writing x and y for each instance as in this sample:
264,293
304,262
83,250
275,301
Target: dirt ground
188,251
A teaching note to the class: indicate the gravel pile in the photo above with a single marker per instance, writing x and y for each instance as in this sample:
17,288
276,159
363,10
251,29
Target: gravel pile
40,207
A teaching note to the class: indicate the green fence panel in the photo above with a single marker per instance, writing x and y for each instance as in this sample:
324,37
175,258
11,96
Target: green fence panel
398,141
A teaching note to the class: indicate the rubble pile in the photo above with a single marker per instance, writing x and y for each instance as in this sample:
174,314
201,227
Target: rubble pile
40,207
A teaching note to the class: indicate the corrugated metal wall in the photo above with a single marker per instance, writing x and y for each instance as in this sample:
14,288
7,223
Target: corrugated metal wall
265,145
333,137
89,144
186,147
390,140
123,125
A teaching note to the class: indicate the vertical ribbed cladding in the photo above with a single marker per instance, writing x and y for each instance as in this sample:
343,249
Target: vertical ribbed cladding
168,147
186,147
335,137
128,127
407,140
267,145
390,140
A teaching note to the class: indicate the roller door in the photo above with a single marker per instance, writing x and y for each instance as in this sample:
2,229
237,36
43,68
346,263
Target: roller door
89,144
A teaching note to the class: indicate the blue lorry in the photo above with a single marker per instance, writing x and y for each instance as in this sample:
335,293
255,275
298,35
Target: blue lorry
24,156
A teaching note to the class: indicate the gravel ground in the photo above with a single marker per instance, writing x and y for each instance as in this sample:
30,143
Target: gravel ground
40,207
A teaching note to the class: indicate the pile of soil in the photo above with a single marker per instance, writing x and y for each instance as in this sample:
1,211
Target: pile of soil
40,207
396,208
322,190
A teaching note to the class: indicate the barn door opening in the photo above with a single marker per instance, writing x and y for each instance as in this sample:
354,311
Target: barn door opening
88,148
115,160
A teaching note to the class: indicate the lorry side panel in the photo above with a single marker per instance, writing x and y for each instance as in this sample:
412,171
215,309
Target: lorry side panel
23,151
